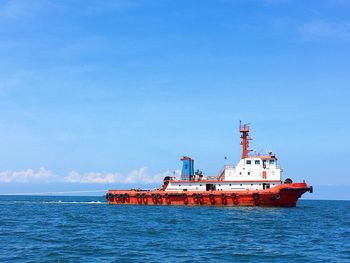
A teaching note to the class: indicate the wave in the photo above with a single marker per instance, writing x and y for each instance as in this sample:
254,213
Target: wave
55,202
74,202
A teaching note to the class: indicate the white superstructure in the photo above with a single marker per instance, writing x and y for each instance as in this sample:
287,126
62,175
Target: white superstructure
253,168
251,173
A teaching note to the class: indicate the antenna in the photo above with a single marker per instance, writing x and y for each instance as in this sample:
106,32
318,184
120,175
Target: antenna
244,130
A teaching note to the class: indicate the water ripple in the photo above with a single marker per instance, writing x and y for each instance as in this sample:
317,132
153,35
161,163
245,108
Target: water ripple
85,229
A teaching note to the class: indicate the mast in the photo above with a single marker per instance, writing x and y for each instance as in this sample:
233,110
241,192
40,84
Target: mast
244,130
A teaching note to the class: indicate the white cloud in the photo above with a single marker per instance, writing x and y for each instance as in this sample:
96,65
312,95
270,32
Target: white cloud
42,175
319,29
140,175
92,177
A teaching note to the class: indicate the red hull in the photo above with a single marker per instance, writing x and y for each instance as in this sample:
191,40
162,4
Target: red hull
284,195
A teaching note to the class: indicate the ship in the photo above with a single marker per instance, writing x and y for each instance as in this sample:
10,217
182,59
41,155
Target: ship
254,181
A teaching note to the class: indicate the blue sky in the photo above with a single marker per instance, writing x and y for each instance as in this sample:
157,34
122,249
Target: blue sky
114,92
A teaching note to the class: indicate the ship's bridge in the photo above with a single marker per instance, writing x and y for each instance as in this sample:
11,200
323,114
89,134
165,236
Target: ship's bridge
260,167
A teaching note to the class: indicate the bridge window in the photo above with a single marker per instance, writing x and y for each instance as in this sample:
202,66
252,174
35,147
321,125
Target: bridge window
257,161
249,162
272,161
248,173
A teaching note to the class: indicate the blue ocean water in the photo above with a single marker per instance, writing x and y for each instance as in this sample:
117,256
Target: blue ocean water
86,229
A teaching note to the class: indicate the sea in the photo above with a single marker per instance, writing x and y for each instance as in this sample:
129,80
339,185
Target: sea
87,229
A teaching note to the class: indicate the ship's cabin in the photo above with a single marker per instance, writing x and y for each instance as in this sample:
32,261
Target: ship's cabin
260,167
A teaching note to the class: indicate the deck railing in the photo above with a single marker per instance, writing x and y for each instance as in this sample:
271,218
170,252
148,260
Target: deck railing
222,171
